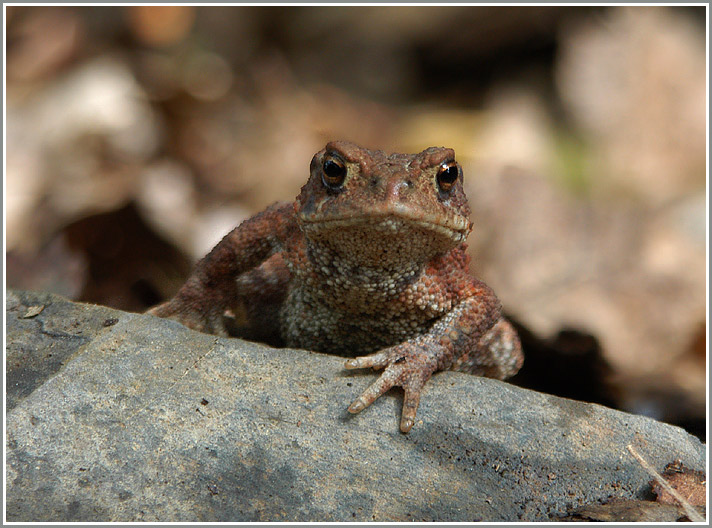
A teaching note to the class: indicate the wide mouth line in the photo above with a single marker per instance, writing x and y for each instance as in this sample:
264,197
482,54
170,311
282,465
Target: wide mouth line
380,217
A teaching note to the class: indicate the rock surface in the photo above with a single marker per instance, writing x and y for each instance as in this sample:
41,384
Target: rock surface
113,416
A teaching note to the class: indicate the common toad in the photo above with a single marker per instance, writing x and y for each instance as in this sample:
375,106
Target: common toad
369,261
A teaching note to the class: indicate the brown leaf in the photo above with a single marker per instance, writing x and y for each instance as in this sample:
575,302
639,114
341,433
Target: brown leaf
628,510
692,485
33,311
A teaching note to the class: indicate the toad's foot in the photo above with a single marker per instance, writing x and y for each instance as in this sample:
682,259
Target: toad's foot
407,365
197,316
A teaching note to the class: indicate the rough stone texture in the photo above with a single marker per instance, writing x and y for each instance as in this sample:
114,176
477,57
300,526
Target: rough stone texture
144,420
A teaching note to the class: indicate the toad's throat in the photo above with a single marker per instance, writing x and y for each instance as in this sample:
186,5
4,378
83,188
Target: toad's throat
385,241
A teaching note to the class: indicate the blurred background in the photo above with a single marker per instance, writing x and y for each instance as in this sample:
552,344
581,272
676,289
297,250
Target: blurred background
138,136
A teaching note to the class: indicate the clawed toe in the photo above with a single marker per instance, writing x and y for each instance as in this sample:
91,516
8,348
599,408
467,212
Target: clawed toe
398,373
378,360
410,408
370,395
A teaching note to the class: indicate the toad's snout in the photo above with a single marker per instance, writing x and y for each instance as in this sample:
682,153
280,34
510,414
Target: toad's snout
397,189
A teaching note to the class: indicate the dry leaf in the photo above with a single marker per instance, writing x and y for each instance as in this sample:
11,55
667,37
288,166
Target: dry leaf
687,482
33,311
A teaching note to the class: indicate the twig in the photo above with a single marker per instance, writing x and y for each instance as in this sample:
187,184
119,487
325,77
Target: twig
689,510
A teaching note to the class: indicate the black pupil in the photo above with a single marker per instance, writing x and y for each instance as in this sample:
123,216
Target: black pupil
448,174
333,170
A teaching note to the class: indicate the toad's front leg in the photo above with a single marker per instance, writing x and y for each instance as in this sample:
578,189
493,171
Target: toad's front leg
473,337
212,288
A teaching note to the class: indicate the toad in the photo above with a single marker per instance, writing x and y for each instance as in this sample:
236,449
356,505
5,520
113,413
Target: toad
369,262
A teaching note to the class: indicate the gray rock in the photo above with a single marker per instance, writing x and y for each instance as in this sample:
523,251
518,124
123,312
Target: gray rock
134,418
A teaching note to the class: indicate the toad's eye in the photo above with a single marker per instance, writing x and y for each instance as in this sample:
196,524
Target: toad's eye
333,172
447,175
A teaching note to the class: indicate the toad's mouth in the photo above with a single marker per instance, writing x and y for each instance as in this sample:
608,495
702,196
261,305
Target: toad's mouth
455,228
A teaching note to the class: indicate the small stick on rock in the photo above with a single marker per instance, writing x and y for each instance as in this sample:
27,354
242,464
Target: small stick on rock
689,510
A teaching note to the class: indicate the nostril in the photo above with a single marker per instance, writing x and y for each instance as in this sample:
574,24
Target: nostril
373,182
398,190
404,190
